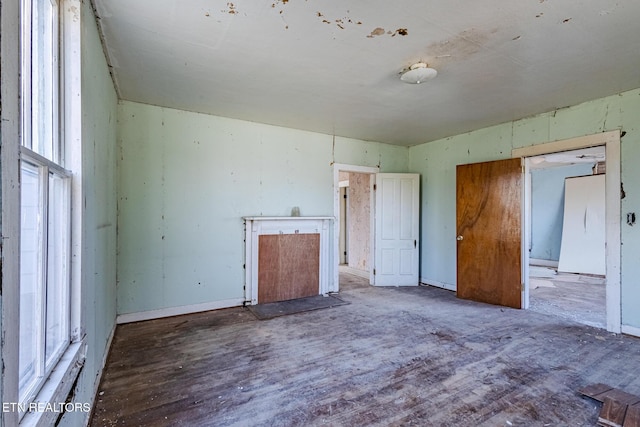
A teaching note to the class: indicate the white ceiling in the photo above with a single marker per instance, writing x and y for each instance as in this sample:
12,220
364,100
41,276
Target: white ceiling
333,66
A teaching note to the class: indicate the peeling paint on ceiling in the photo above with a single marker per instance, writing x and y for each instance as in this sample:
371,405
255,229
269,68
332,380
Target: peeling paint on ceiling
335,68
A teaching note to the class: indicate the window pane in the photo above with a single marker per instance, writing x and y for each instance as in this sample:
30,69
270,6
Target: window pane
57,329
44,79
30,278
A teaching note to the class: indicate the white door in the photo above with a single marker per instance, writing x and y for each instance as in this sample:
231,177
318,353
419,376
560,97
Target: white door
397,206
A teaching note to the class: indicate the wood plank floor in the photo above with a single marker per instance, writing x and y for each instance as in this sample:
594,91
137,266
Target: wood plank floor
576,297
393,357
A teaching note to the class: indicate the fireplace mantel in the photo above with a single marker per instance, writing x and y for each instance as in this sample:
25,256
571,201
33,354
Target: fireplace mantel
256,226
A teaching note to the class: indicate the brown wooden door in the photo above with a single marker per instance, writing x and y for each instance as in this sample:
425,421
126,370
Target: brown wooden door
488,223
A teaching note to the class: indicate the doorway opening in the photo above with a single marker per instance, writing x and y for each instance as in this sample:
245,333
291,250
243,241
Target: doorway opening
354,225
567,273
585,218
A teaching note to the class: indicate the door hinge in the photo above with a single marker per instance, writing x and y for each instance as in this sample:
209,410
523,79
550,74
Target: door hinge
374,271
375,187
415,244
345,196
522,284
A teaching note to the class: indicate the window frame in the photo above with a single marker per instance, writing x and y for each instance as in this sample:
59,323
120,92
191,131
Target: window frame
45,367
27,83
57,386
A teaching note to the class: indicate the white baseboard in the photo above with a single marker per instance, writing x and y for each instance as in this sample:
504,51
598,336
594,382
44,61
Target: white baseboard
630,330
437,284
543,262
360,273
177,311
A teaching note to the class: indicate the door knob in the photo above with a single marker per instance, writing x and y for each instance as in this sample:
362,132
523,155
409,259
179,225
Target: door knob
459,238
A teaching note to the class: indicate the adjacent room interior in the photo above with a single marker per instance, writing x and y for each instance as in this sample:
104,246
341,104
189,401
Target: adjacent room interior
302,213
355,223
567,274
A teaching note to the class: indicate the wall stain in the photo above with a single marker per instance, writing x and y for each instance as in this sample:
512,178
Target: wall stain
231,9
76,13
339,22
460,46
401,31
376,32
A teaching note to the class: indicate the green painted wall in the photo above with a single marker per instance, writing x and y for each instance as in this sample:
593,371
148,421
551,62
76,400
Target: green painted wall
436,162
185,181
99,217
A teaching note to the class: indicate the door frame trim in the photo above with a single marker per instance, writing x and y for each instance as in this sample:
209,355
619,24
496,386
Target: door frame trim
611,141
337,167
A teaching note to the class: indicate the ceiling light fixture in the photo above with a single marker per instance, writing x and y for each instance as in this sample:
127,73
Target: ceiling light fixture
418,73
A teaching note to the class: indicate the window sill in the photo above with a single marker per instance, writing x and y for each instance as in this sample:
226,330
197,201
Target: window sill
49,404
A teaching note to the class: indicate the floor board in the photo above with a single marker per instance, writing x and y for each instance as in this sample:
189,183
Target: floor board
393,357
576,297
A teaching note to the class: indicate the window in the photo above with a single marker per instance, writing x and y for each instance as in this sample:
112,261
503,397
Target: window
44,272
45,227
40,81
